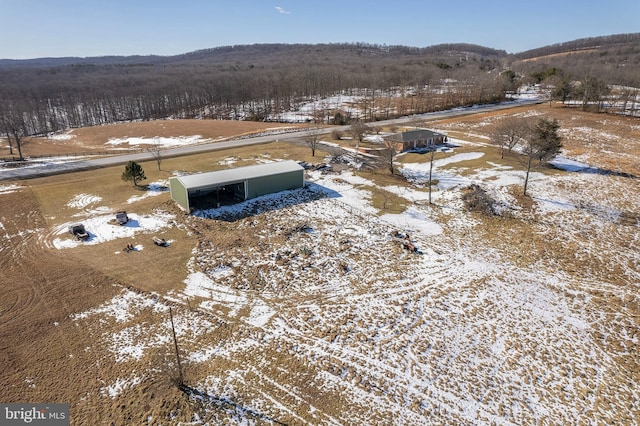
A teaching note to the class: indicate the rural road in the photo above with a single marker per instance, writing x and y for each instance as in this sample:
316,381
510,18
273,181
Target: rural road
79,165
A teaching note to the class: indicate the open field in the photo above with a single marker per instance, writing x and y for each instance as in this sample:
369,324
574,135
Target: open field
143,134
303,307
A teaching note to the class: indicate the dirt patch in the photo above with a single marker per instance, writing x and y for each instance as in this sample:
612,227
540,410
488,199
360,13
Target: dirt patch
40,349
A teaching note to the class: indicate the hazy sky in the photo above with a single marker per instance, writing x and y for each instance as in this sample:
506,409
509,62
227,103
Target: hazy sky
55,28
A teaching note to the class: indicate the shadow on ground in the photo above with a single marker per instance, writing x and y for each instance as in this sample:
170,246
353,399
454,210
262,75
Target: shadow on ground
228,404
281,200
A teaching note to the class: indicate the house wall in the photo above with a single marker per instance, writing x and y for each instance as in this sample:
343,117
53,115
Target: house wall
422,143
275,183
179,193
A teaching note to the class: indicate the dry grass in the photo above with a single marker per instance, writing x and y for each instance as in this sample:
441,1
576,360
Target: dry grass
583,133
90,139
41,350
42,286
387,202
54,192
556,55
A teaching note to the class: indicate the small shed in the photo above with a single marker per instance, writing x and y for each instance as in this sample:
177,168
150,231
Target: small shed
417,139
224,187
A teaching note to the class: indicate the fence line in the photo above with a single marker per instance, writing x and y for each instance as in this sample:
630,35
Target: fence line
14,158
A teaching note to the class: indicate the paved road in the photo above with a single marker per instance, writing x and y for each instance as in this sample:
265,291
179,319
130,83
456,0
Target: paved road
88,164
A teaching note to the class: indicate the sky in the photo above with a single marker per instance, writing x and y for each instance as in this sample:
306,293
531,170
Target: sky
84,28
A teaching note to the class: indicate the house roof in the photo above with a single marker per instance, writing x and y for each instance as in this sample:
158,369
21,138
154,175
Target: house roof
418,134
239,174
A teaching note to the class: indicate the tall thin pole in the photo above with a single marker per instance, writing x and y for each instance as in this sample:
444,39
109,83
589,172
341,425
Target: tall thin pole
431,156
175,344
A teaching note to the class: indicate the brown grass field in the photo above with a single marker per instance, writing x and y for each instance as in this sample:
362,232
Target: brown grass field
94,139
48,357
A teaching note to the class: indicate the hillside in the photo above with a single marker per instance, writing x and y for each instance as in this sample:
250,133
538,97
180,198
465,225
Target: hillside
236,82
629,41
258,53
262,82
615,59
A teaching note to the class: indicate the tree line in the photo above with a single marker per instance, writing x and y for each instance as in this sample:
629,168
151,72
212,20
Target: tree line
263,82
588,90
603,42
600,73
256,82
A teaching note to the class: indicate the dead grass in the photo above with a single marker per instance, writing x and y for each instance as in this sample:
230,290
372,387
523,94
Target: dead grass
387,202
41,350
556,55
54,192
586,135
42,286
137,268
91,139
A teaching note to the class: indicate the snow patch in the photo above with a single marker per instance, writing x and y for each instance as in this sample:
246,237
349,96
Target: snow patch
153,189
7,189
160,142
413,220
120,385
568,164
81,201
101,229
61,136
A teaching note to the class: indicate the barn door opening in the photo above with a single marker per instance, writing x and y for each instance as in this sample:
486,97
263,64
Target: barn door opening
223,195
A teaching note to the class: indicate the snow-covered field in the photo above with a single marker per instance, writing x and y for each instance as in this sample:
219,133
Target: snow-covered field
317,315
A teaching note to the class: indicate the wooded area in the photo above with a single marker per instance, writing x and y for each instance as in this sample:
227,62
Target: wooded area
264,81
257,82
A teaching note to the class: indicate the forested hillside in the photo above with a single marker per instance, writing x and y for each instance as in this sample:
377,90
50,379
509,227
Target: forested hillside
614,59
236,82
262,81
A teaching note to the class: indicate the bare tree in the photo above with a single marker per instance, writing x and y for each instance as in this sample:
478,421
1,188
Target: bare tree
562,88
432,156
593,90
509,133
357,130
13,124
313,139
389,153
542,144
6,133
628,96
156,152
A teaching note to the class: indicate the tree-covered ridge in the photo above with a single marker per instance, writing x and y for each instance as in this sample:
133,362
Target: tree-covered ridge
239,82
584,44
259,52
265,81
613,60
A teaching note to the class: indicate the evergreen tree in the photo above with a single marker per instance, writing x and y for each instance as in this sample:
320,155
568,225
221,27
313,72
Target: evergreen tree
133,172
543,144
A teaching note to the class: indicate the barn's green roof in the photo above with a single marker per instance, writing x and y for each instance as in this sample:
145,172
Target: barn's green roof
239,174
